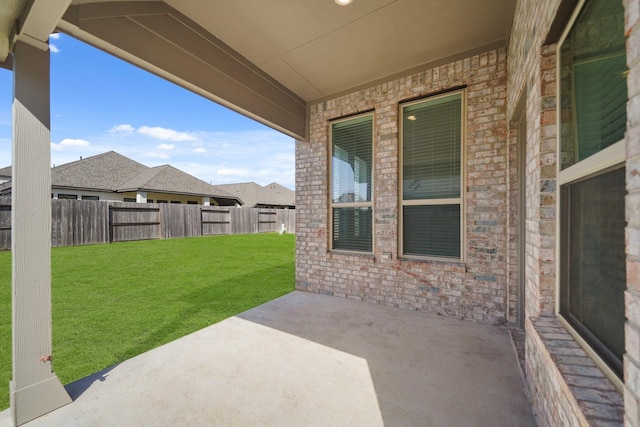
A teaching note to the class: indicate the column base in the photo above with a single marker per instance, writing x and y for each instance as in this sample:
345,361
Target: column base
37,399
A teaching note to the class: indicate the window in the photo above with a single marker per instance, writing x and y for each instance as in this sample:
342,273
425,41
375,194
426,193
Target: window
90,198
130,199
176,202
68,196
593,96
161,201
351,184
149,200
431,177
192,202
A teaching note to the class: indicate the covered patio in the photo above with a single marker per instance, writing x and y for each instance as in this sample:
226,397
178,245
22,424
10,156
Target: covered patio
276,81
495,80
307,359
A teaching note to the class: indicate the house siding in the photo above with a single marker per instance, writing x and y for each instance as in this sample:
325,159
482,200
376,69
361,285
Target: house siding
475,288
183,199
102,195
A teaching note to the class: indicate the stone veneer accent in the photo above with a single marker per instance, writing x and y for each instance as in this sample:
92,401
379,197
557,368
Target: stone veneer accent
474,289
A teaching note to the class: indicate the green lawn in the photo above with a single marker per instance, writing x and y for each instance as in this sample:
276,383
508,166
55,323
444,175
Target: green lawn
112,302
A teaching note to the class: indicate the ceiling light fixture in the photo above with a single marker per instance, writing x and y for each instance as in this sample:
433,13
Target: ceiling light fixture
343,2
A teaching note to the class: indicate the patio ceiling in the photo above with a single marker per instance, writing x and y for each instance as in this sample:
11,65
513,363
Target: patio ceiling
317,48
270,59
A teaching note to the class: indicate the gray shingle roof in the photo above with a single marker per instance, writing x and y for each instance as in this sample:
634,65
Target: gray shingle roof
107,171
5,172
112,171
103,172
253,194
168,179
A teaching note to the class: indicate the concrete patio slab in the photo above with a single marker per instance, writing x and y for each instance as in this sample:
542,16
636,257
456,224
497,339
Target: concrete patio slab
311,360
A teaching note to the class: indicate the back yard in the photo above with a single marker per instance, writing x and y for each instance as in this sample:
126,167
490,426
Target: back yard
115,301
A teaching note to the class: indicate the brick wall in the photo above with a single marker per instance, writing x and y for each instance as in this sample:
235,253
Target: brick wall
569,390
632,331
531,23
531,82
513,223
565,386
473,289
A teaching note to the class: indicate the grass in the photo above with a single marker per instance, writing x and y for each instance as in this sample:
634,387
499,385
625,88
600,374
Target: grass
113,302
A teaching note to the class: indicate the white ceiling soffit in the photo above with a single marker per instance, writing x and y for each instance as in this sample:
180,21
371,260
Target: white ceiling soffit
29,21
317,48
10,10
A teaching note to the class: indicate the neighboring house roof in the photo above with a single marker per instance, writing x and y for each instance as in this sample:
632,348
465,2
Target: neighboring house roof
168,179
107,171
112,171
255,195
5,173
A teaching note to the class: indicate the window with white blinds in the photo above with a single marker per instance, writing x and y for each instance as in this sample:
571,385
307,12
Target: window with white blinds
351,184
432,177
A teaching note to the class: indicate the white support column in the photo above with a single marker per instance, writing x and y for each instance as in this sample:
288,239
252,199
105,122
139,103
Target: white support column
206,201
34,389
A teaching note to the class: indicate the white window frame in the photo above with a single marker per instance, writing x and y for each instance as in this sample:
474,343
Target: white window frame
424,202
599,163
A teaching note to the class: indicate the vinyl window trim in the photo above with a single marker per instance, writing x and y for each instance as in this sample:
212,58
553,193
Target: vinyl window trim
444,201
370,204
605,160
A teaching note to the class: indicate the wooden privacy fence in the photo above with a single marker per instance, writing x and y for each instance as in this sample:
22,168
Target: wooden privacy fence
83,222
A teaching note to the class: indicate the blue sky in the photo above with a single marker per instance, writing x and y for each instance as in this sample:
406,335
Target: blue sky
100,103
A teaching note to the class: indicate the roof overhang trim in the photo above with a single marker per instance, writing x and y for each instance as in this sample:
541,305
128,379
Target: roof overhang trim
155,37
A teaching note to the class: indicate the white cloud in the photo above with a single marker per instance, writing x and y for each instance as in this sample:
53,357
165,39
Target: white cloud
164,134
233,172
216,157
52,47
69,143
261,156
5,151
124,128
156,155
284,158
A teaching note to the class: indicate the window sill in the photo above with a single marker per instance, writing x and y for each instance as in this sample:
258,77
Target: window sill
441,261
588,390
349,254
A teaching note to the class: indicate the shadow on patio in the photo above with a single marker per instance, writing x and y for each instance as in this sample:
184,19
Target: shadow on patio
305,360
